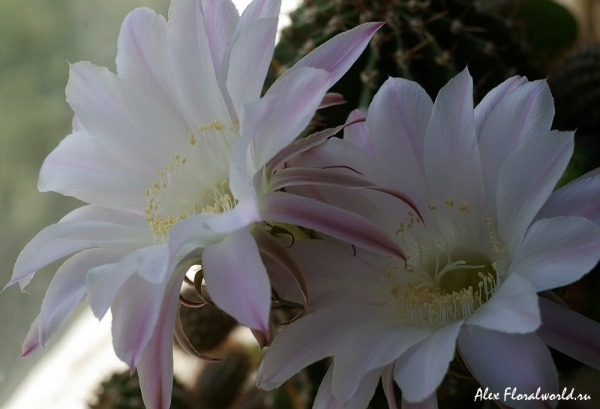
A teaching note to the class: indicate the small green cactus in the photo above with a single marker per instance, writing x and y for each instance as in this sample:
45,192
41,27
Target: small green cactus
122,391
206,327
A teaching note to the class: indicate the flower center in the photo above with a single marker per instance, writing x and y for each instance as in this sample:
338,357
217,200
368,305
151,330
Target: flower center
452,268
194,183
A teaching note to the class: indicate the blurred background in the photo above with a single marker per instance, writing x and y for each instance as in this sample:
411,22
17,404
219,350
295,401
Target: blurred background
39,37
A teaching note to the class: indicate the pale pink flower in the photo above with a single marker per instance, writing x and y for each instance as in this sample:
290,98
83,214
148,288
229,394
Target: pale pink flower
171,153
490,236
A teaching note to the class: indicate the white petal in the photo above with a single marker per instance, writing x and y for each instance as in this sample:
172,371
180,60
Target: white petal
491,100
131,126
358,135
580,197
558,251
376,345
570,333
193,69
525,182
155,367
504,361
67,289
249,61
325,399
397,122
237,280
513,308
524,112
64,238
220,18
32,341
451,157
334,277
83,168
136,309
312,337
420,370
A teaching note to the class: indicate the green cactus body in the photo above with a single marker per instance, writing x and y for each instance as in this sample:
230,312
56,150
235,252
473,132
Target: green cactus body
425,41
122,391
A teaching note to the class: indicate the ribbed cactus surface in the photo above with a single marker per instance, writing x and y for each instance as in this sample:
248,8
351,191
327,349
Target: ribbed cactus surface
427,41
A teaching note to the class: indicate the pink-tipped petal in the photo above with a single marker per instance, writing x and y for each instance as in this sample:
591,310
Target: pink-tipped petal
237,280
339,223
502,361
155,367
332,99
558,251
525,182
512,309
67,289
337,55
421,369
570,333
580,197
32,341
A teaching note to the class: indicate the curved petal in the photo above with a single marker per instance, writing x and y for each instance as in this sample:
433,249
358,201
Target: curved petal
397,122
339,223
297,99
421,369
580,197
491,100
451,157
67,290
191,233
513,308
337,55
64,238
32,341
104,282
325,398
193,69
570,333
525,182
155,367
557,252
244,214
524,112
83,168
136,309
502,362
249,61
237,280
309,339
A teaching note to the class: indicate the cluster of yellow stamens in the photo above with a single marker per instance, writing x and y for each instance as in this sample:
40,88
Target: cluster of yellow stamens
449,273
223,200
